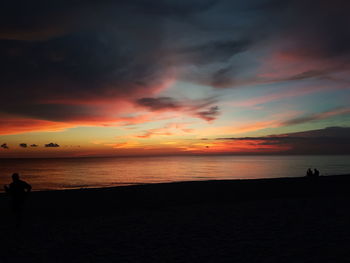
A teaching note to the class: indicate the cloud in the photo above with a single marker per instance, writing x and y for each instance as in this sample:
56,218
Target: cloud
154,132
69,58
125,145
310,42
332,140
216,51
280,95
317,116
167,130
161,103
51,144
23,145
64,17
209,115
201,108
13,124
4,146
66,61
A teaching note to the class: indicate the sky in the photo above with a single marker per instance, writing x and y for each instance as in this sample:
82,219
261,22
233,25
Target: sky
170,77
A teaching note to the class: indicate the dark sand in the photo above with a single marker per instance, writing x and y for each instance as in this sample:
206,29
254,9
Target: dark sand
270,220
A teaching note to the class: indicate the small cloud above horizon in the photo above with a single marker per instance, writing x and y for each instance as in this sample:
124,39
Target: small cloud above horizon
4,146
51,144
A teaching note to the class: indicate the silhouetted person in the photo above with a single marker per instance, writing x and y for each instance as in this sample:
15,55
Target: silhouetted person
18,190
316,172
309,173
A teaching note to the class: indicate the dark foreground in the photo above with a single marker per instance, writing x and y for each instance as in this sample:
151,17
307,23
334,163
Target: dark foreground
272,220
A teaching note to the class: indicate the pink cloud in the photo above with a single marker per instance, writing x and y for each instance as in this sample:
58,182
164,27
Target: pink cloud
291,61
167,130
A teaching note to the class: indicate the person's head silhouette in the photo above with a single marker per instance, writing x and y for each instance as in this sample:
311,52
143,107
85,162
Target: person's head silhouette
15,177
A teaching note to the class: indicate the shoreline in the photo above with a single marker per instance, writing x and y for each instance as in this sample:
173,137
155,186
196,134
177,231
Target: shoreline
80,201
230,181
253,220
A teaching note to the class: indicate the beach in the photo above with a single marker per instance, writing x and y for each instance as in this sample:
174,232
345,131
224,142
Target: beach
262,220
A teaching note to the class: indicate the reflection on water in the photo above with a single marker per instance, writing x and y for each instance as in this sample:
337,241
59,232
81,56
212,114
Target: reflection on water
103,172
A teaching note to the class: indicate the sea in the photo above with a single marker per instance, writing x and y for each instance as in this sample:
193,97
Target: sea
75,173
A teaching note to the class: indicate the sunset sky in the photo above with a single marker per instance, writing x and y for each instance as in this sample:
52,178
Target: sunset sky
137,77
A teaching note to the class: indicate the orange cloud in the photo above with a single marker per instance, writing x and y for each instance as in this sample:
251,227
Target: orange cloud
125,145
17,125
11,124
240,147
236,129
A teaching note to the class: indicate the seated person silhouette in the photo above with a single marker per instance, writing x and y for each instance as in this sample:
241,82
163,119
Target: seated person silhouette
309,173
18,191
316,172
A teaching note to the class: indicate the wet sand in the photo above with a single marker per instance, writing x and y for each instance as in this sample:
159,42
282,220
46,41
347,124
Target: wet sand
265,220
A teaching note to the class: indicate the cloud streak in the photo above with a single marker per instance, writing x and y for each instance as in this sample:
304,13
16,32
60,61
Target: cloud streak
167,130
203,109
210,114
332,140
317,116
161,103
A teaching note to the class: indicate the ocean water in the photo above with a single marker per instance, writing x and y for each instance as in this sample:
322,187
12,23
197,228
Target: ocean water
72,173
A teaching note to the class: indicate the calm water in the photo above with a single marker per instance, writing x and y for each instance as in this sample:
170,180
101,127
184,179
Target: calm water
46,174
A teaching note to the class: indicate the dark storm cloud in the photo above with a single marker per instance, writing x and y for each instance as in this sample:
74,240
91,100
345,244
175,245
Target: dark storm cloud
56,56
202,108
326,22
52,145
112,53
160,103
214,51
4,146
40,19
70,69
306,23
332,140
